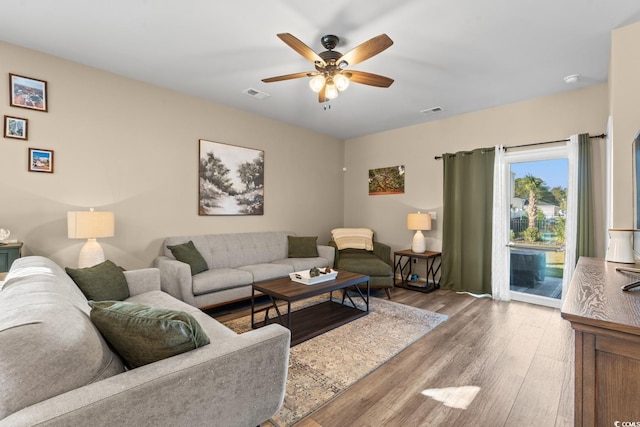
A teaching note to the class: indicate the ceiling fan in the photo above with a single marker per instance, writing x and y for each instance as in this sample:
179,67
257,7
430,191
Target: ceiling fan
331,75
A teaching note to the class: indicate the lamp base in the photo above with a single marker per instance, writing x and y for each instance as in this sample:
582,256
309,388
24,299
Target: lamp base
90,254
419,246
620,247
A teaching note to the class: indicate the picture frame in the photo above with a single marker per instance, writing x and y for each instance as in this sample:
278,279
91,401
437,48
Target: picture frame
386,181
231,180
16,127
27,92
40,160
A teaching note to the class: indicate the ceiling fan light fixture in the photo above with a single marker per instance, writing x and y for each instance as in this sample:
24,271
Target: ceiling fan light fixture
330,76
331,91
341,81
316,83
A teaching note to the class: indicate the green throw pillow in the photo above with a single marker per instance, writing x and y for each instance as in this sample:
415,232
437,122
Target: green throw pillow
187,253
104,281
303,247
142,334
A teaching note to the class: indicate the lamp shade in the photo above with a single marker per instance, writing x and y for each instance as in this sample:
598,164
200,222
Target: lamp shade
419,221
90,224
317,83
331,91
341,82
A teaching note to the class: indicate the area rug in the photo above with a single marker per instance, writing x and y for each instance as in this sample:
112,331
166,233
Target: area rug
325,366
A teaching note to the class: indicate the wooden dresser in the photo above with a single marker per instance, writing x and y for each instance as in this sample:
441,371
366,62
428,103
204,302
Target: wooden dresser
606,321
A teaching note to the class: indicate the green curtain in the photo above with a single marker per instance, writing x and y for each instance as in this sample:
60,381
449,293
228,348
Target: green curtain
585,243
467,221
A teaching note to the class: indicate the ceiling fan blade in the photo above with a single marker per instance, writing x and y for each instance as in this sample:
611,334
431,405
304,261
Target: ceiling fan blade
288,77
300,47
368,78
321,95
366,50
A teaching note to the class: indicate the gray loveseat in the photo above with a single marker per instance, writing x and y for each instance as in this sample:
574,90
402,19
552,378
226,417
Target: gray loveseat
235,261
57,370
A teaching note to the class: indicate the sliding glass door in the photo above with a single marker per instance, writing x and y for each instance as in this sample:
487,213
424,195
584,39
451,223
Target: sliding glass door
538,188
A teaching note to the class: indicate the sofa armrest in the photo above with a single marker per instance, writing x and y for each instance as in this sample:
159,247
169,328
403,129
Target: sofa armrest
383,252
336,253
143,280
328,252
237,382
175,278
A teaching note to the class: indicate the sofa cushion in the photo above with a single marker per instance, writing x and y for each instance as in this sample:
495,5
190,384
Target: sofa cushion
233,250
44,270
302,247
357,253
270,271
187,253
299,264
101,282
48,345
215,330
368,266
143,334
219,279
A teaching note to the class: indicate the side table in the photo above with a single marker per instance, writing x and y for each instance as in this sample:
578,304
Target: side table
403,267
9,252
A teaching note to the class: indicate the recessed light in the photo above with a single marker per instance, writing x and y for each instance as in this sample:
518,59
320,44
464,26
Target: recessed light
572,78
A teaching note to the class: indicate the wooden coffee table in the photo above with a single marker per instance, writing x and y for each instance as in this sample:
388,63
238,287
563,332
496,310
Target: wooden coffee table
315,319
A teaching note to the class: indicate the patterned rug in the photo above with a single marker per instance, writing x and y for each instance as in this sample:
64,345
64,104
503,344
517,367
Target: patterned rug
323,367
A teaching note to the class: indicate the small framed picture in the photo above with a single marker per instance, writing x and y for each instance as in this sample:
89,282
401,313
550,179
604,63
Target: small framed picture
26,92
15,127
40,160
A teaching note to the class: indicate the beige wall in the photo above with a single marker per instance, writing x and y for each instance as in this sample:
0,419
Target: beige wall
544,119
132,148
126,146
624,78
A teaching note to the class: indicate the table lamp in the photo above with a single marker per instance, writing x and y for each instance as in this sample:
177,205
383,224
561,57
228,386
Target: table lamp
419,221
90,225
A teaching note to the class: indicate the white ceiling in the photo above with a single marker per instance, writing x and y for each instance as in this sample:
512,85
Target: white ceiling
462,55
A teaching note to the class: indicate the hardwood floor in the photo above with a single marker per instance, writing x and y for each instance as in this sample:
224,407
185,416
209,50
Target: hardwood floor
519,355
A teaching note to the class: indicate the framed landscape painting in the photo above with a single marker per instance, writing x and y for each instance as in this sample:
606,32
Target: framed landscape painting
40,160
386,181
26,92
231,180
15,127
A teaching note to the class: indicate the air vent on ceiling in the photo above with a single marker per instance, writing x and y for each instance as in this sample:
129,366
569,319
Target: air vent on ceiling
256,93
432,110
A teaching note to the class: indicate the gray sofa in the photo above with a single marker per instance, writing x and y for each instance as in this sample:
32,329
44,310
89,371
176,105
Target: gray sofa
235,262
57,370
